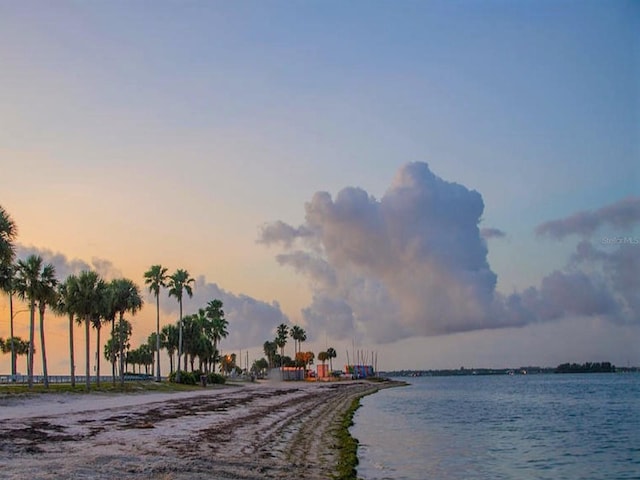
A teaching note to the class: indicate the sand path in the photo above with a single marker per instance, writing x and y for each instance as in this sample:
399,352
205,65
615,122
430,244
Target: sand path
260,431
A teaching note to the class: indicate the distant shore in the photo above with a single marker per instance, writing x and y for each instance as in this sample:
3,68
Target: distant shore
279,430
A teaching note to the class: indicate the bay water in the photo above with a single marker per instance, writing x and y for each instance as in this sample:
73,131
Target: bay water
582,426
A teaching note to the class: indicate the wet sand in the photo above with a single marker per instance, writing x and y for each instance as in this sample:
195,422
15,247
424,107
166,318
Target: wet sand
258,431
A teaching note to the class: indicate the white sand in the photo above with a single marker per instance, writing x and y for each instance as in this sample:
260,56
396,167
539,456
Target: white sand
274,431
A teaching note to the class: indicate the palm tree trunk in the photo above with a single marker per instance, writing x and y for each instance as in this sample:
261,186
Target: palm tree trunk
71,359
13,347
32,314
98,355
121,347
113,360
42,347
158,376
180,345
215,352
87,333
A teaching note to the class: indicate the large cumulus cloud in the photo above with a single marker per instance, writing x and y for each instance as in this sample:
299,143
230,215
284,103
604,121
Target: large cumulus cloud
414,263
411,263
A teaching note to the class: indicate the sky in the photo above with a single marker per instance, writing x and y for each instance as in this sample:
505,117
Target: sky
444,183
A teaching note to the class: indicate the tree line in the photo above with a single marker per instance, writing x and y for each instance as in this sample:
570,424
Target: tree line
89,300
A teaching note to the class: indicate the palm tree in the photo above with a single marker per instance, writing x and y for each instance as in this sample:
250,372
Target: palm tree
281,339
27,278
215,314
108,313
331,354
7,285
119,342
67,293
46,295
17,346
295,335
169,341
153,341
91,291
270,350
299,335
105,312
8,232
155,278
180,282
126,298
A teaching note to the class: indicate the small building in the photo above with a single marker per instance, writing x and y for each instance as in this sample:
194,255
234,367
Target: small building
323,370
359,371
292,373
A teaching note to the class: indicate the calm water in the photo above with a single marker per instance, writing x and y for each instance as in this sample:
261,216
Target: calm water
502,427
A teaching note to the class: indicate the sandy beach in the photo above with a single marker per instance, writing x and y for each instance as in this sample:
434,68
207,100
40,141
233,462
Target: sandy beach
257,431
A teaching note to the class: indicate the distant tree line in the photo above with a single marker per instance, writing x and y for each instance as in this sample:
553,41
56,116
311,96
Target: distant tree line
588,367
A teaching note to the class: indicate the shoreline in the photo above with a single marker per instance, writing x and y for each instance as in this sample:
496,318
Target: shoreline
271,430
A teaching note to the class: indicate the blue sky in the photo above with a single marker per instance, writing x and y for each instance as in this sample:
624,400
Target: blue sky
145,132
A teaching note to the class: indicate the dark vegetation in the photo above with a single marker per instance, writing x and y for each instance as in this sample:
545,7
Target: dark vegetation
588,367
347,445
195,378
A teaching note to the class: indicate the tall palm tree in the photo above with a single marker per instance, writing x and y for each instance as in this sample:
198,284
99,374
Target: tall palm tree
108,314
46,295
8,232
331,354
126,298
281,339
155,278
299,335
179,283
218,324
27,279
91,291
104,313
67,295
7,285
295,335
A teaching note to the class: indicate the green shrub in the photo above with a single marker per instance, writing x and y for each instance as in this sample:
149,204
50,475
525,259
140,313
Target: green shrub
186,378
216,378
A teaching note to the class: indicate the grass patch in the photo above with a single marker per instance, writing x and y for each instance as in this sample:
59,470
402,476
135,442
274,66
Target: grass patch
105,387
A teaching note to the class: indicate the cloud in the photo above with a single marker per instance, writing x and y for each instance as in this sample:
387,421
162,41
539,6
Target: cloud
620,215
487,233
251,321
65,266
280,232
414,263
621,268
